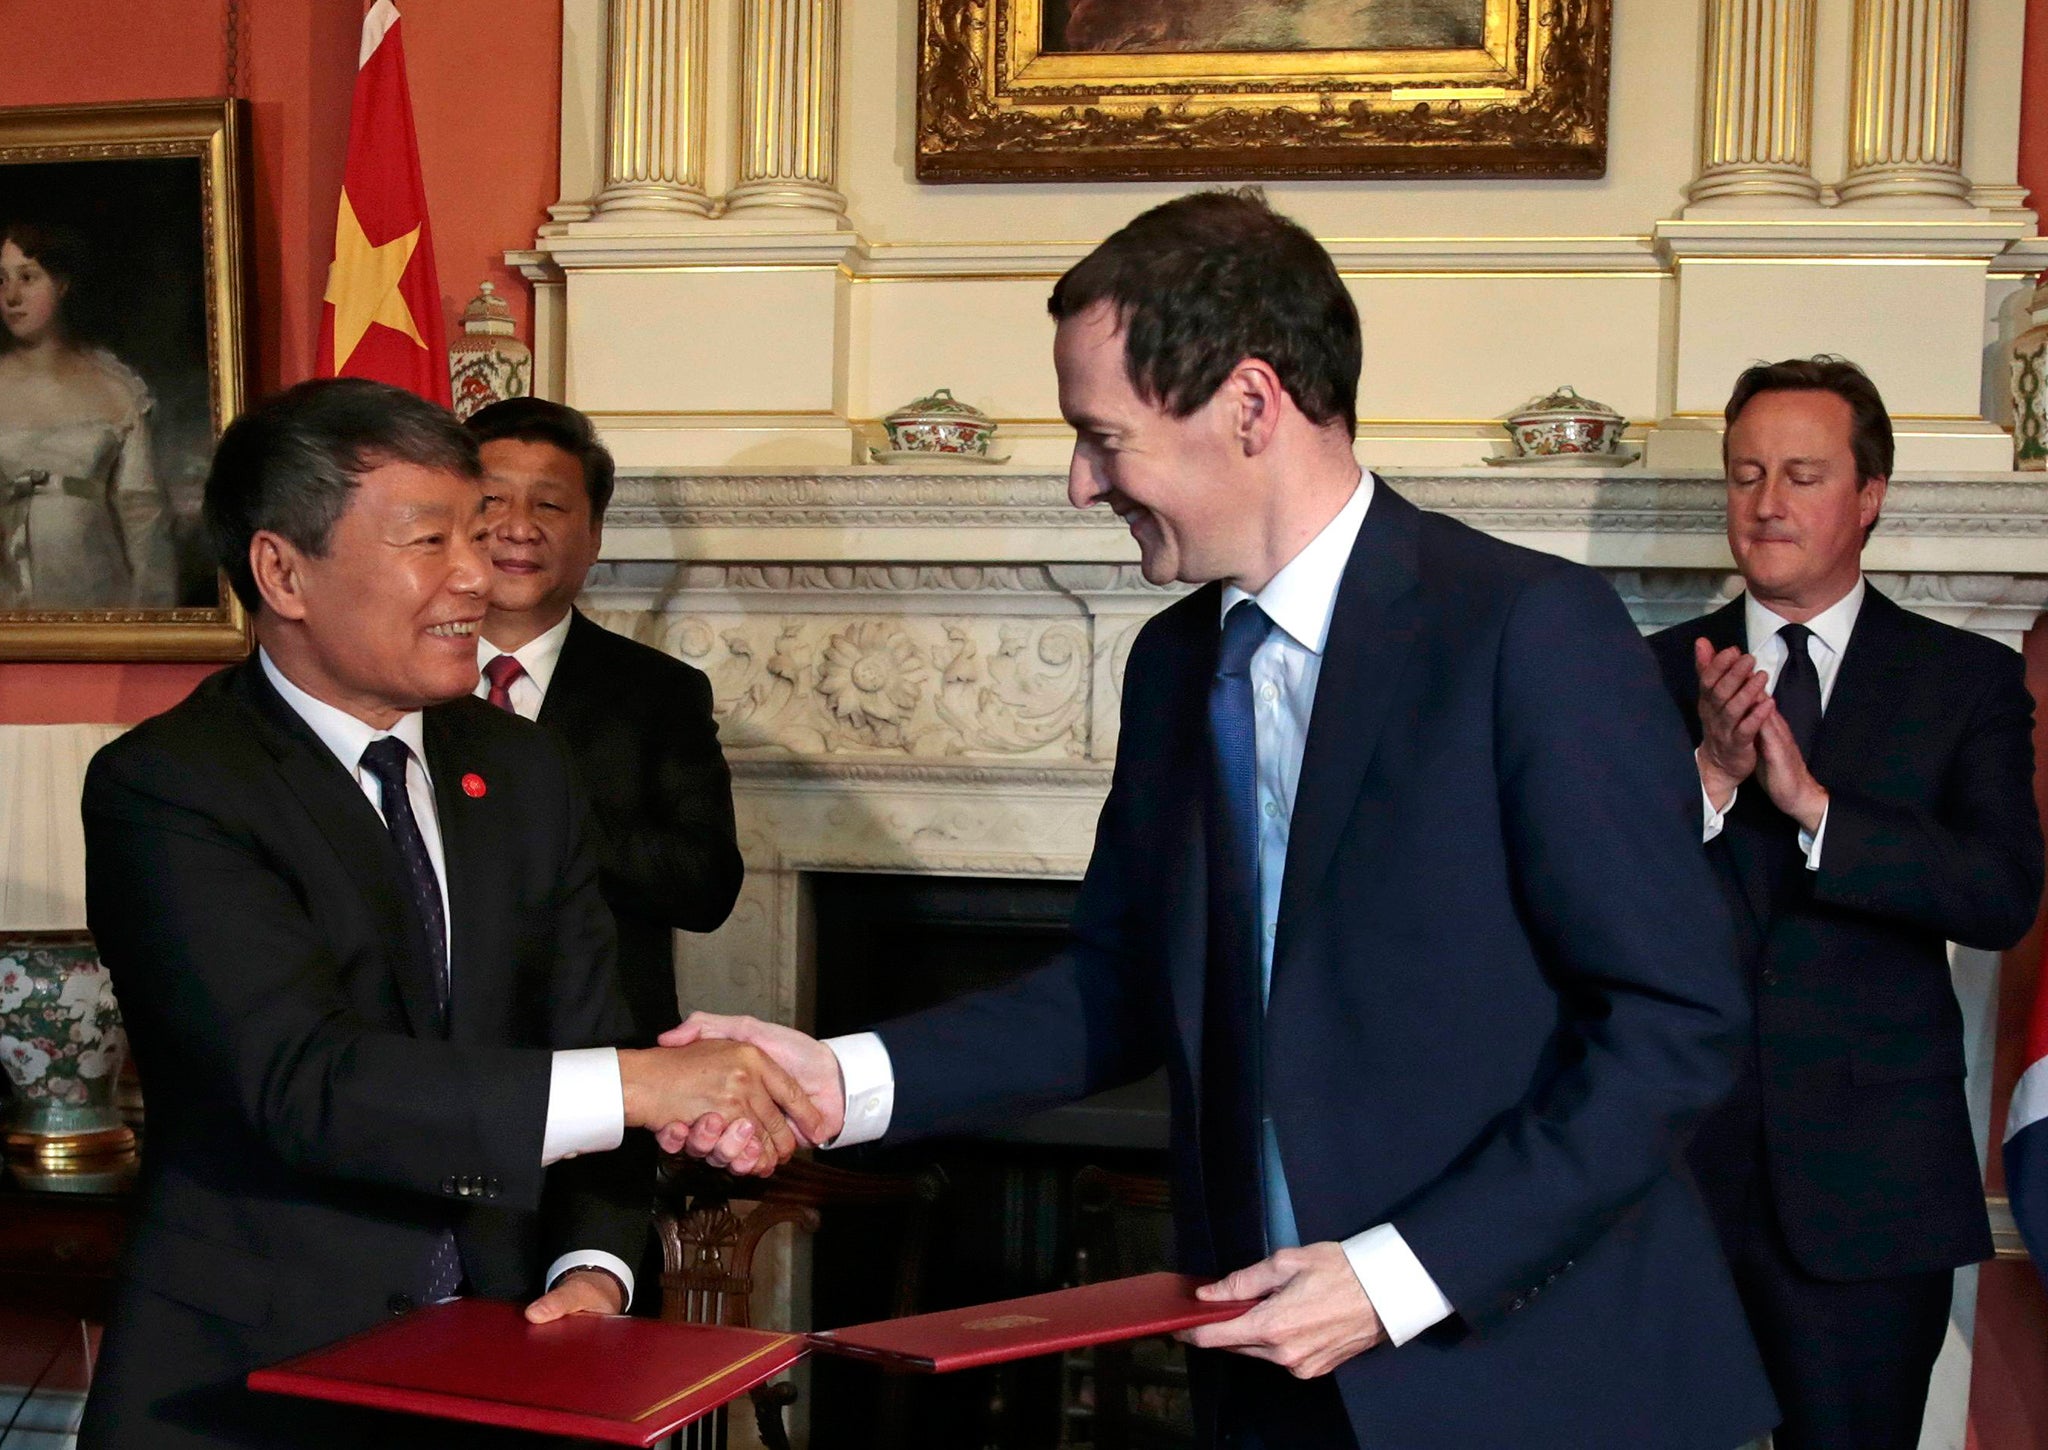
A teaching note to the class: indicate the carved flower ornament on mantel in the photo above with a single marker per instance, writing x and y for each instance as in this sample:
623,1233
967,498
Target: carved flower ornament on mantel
873,677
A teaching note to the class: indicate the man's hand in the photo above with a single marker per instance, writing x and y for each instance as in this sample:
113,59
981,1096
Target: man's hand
1734,698
735,1146
1783,770
735,1081
1312,1315
580,1291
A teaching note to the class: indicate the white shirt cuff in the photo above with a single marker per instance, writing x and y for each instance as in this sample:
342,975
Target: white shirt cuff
1811,844
1404,1296
870,1082
593,1259
1715,820
586,1105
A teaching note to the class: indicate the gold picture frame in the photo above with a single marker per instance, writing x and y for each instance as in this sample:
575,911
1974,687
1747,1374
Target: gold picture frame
142,210
1004,96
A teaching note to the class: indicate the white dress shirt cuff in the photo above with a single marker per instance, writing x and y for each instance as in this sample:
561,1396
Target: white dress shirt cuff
1811,844
1716,820
1404,1296
593,1259
870,1082
586,1105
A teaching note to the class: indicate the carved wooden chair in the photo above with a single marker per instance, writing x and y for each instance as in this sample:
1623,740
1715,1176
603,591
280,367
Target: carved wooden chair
710,1224
1131,1396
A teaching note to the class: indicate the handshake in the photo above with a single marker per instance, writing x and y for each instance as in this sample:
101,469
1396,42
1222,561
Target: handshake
740,1093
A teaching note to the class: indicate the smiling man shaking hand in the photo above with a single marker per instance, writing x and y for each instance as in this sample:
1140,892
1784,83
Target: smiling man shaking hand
354,924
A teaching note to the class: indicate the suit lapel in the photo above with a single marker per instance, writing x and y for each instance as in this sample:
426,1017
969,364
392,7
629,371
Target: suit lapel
343,813
466,851
1189,659
1373,629
1862,708
567,687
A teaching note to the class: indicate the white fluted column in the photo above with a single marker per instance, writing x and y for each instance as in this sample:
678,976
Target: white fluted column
654,89
1756,114
789,107
1906,105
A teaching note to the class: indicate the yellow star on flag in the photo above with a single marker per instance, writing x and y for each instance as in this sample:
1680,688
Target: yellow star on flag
363,284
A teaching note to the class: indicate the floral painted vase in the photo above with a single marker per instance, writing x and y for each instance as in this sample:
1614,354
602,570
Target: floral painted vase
2029,383
62,1045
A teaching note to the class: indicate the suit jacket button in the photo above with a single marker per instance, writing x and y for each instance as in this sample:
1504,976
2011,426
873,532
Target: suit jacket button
1770,976
399,1304
448,1184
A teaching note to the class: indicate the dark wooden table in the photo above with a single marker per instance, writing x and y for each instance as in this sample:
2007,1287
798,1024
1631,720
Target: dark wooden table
58,1250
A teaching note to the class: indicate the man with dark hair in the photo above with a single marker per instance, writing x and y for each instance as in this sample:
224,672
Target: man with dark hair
1867,784
635,722
1386,877
355,928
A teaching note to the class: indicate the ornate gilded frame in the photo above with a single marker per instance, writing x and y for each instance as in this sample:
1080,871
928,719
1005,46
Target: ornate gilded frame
215,132
993,105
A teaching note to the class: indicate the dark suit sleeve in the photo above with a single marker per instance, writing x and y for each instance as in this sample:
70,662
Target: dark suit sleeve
1969,869
1597,793
207,940
676,859
596,1200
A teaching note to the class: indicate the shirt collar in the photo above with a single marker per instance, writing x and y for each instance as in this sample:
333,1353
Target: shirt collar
1832,626
340,731
1303,595
538,656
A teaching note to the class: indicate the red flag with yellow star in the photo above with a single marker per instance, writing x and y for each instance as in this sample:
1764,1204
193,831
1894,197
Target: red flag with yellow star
382,316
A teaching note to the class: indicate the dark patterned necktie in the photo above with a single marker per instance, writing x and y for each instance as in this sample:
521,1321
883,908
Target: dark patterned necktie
386,760
501,672
1232,1014
1798,690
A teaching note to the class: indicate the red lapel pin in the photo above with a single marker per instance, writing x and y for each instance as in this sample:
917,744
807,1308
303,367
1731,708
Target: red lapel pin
473,786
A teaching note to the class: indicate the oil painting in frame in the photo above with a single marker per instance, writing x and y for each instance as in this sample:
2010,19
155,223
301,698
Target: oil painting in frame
123,353
1062,90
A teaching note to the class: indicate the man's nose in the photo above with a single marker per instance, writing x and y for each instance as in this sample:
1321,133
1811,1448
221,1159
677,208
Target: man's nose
470,568
1770,497
1083,486
517,522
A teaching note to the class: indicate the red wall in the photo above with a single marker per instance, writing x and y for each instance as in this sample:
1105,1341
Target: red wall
486,84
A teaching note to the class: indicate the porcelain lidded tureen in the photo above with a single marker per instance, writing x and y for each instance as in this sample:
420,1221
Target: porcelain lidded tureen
939,423
1562,423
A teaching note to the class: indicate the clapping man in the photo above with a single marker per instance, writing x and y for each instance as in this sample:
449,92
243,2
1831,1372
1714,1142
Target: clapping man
1867,777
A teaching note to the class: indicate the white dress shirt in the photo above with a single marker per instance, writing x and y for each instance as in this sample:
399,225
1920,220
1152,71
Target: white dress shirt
1831,629
586,1100
1299,600
537,657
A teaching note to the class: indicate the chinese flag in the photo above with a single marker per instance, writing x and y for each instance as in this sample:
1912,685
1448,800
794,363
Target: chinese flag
382,317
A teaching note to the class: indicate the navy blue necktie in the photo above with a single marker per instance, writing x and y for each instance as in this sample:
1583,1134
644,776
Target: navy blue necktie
1798,690
386,760
1233,1015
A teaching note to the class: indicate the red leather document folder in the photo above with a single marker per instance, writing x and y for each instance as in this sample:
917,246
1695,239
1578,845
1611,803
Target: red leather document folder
622,1381
1038,1324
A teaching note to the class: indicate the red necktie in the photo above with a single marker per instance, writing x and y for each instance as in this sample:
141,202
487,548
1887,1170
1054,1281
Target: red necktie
501,672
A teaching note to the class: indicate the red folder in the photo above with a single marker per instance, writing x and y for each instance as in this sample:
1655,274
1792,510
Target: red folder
1037,1324
622,1381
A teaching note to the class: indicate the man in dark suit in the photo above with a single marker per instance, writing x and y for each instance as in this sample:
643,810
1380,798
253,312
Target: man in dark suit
1386,877
1868,788
635,722
360,950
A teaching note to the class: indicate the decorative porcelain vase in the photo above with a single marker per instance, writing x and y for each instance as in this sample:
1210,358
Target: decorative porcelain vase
487,364
939,423
2030,387
62,1045
1564,423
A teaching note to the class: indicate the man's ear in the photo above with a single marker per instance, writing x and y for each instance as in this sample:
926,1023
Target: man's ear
1260,399
280,570
1870,501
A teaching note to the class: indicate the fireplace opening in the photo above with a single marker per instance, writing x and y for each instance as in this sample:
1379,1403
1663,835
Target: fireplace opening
1072,1194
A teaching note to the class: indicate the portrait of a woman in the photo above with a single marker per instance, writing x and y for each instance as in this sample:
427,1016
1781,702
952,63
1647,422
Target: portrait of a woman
84,519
